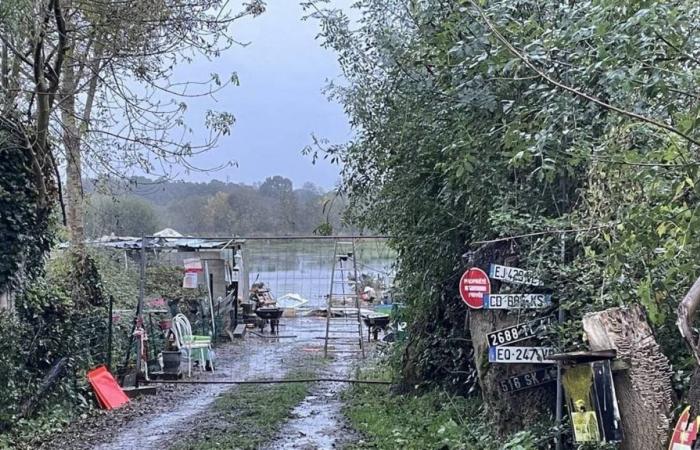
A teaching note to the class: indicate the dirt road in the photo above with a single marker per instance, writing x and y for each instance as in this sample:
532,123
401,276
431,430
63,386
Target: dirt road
155,422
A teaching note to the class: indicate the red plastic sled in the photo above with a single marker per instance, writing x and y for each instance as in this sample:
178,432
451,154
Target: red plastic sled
108,392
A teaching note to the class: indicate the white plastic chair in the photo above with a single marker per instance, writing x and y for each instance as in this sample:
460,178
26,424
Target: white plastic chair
186,341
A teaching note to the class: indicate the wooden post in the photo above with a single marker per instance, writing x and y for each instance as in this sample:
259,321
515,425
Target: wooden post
643,388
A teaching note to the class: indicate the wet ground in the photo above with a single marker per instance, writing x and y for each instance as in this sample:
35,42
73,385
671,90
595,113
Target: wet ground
317,422
155,422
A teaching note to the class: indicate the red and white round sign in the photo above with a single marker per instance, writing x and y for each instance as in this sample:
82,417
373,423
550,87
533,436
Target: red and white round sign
473,285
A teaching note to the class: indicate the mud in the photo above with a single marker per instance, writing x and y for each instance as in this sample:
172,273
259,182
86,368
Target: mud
155,422
318,423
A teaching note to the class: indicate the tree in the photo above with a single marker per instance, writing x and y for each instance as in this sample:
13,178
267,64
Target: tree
281,191
29,82
219,216
122,58
503,133
187,214
276,187
121,216
108,67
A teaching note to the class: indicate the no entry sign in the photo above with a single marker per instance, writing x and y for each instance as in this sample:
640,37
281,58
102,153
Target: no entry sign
473,285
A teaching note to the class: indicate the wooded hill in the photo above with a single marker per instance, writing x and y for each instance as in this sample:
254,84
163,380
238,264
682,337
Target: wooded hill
272,207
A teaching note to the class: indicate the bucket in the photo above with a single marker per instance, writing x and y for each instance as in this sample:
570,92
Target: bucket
171,361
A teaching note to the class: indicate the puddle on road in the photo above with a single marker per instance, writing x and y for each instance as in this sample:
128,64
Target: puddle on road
314,424
317,422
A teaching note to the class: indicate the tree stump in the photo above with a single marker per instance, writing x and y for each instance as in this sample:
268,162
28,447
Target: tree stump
643,388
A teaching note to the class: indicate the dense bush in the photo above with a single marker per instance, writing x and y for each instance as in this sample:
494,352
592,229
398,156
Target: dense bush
25,205
467,131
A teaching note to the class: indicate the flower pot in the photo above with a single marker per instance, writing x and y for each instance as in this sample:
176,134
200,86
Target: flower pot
171,361
165,324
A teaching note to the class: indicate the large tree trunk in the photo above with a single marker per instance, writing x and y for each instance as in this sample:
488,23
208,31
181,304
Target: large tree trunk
71,144
510,411
643,389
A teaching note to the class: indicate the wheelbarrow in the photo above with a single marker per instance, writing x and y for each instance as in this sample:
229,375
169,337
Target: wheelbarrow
269,315
375,323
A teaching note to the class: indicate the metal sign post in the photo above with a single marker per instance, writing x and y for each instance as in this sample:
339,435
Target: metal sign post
560,389
139,308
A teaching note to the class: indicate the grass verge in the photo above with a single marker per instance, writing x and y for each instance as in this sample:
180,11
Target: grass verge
248,416
433,420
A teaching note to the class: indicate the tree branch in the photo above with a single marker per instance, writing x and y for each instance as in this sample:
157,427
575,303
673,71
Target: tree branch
575,91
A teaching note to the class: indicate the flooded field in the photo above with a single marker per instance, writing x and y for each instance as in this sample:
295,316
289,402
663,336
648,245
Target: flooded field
304,267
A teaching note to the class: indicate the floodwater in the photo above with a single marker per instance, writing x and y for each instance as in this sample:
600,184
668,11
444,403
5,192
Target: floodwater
308,273
314,423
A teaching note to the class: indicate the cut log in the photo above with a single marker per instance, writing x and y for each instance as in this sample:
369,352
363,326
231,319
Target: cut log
686,313
644,390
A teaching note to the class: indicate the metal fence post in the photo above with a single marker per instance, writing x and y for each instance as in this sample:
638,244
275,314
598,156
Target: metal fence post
139,307
109,333
560,390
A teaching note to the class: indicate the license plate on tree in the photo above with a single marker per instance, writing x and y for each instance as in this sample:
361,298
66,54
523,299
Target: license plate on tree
517,301
521,355
529,380
518,332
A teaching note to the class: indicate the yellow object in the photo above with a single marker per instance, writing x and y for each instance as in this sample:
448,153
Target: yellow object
577,383
585,426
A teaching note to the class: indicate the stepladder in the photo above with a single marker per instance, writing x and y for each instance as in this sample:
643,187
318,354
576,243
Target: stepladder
344,331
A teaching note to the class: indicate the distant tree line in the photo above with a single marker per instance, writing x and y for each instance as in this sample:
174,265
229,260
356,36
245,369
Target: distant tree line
273,207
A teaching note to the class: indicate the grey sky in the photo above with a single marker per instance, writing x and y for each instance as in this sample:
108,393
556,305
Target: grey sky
279,103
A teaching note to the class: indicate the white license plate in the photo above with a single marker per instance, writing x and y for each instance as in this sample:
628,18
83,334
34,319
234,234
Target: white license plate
519,332
517,301
521,355
513,275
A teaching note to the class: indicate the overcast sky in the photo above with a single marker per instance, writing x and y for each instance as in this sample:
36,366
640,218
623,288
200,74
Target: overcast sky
279,102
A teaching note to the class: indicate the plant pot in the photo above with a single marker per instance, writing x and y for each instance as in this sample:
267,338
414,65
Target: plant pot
171,361
165,324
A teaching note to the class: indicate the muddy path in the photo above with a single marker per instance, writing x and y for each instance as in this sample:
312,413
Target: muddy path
318,422
155,422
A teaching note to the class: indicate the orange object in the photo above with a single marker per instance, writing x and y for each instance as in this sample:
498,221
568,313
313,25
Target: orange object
108,392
